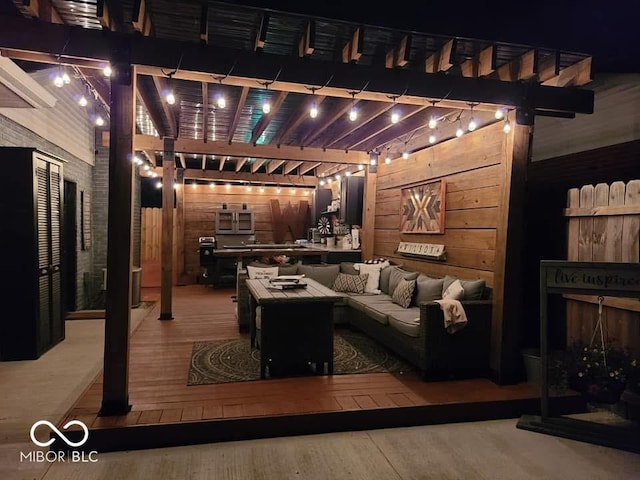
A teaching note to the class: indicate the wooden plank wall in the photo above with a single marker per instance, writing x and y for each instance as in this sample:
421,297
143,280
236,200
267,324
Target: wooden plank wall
600,231
471,167
201,202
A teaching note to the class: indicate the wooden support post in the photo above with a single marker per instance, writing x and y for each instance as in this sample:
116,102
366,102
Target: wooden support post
509,260
369,212
115,389
180,253
166,253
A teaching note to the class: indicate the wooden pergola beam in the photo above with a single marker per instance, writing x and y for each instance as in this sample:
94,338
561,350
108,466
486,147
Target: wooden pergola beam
205,111
303,114
399,56
354,48
307,167
268,152
204,161
161,86
549,66
140,19
155,120
223,159
575,75
201,62
443,59
204,22
307,43
263,123
290,167
261,35
273,165
258,162
181,162
483,64
195,174
240,163
520,68
237,113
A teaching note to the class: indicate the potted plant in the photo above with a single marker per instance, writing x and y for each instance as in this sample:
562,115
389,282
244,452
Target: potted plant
600,371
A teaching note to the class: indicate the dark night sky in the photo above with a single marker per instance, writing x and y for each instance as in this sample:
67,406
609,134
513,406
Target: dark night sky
607,30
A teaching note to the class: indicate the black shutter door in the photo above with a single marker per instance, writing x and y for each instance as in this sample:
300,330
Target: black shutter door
57,328
44,281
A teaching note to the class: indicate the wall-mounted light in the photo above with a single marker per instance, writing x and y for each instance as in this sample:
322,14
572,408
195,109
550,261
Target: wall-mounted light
99,121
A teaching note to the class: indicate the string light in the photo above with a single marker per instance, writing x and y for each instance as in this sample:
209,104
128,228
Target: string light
507,126
322,182
337,177
293,190
194,185
158,184
278,189
360,167
348,173
228,186
154,174
353,113
433,122
262,188
313,111
499,113
66,79
405,153
432,138
472,122
83,102
58,81
99,121
107,71
459,131
221,101
170,97
395,116
212,185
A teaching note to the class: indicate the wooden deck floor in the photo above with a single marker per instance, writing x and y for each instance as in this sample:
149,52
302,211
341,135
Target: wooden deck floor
160,353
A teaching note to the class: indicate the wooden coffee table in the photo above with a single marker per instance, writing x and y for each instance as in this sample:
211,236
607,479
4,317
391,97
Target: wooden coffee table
296,328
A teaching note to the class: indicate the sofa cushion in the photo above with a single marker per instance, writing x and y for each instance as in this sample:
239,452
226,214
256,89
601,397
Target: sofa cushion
287,269
360,302
348,268
262,272
350,283
406,321
324,274
377,315
454,291
473,289
383,311
428,289
403,294
398,274
373,269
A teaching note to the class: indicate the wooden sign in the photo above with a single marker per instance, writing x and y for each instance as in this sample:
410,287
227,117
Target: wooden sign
424,250
599,278
422,208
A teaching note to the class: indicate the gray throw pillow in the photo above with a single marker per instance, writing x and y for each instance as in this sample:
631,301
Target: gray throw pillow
403,293
398,274
384,279
428,289
324,274
473,289
287,269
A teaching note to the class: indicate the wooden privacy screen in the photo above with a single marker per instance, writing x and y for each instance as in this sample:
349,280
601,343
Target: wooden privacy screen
150,235
603,226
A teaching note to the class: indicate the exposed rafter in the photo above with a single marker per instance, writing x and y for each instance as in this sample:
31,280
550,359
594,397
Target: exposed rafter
181,162
307,43
442,60
484,63
290,167
409,111
257,163
263,123
223,159
261,35
204,162
399,56
204,22
575,75
238,112
205,111
303,114
338,112
161,87
307,167
240,163
273,165
548,66
140,19
299,180
520,68
354,48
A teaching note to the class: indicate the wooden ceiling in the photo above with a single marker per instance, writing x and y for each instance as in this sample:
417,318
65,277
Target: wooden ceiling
240,138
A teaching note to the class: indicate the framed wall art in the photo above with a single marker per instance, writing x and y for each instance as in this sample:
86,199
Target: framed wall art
422,208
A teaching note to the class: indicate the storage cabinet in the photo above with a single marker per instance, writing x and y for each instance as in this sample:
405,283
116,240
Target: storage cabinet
234,222
351,197
31,202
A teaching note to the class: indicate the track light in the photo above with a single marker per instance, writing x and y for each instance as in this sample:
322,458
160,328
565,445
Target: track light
107,71
433,123
220,101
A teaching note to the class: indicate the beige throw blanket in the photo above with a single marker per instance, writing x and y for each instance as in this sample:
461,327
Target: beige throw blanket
454,317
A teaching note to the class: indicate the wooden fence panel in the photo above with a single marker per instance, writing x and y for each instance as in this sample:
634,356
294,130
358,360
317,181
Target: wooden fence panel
604,226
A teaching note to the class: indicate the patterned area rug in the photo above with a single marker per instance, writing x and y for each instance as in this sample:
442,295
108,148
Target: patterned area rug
226,361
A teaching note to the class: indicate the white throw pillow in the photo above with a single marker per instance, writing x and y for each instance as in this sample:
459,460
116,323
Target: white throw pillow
454,291
373,269
259,273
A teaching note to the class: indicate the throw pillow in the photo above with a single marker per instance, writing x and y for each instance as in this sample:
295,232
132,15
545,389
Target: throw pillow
373,269
403,293
454,291
258,273
398,274
428,289
324,274
473,289
347,267
350,283
287,269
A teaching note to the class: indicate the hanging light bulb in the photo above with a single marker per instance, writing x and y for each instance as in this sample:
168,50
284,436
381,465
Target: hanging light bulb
66,78
432,138
405,155
387,159
278,189
212,185
83,102
58,81
293,190
499,113
472,124
194,185
313,111
221,101
266,106
228,186
507,126
360,167
146,167
322,182
459,131
99,121
107,71
249,187
154,174
433,123
175,185
262,188
337,177
353,113
328,179
158,184
348,173
170,97
395,116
